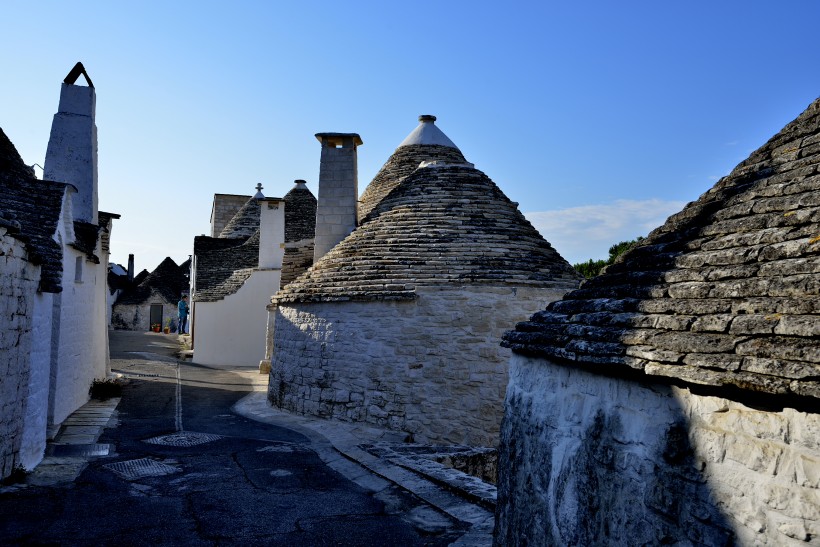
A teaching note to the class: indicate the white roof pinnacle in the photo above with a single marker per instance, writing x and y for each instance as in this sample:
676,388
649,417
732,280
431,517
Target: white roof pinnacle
427,133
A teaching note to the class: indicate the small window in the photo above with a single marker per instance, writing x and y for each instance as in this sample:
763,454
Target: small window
78,270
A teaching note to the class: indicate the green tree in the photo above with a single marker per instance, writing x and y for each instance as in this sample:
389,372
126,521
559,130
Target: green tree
592,267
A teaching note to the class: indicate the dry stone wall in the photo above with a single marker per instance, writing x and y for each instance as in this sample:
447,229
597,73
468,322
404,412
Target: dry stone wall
18,286
613,461
431,367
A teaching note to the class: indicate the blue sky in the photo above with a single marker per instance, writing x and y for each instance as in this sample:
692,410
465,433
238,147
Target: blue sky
599,118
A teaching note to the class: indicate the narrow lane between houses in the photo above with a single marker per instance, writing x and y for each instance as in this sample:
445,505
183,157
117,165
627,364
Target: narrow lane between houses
183,469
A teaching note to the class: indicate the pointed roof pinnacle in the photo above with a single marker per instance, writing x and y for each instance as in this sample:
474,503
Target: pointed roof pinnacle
427,133
259,194
75,73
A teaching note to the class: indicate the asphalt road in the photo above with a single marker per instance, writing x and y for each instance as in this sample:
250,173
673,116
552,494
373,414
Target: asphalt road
219,479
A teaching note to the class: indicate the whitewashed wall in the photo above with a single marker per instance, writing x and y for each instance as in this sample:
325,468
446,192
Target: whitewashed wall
431,367
18,285
33,444
588,459
81,343
231,331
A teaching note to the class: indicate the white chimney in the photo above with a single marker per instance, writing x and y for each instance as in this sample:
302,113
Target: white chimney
71,156
271,233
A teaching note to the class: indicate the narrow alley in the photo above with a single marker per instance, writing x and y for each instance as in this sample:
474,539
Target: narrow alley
176,466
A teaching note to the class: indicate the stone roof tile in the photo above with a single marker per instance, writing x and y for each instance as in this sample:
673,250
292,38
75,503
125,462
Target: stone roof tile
244,223
300,213
443,224
403,162
217,260
725,292
32,207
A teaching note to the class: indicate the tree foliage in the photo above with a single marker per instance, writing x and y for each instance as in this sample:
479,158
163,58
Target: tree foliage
593,267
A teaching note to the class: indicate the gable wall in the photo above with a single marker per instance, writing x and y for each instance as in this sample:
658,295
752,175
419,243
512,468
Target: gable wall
231,331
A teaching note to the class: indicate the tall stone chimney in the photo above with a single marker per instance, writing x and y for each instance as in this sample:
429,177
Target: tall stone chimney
337,207
71,156
130,268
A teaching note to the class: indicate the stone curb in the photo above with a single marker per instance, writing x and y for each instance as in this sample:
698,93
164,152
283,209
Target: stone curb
75,443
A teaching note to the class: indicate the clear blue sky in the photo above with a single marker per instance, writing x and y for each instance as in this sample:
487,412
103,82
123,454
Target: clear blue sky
599,118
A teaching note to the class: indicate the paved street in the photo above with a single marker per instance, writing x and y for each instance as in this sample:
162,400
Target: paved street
183,469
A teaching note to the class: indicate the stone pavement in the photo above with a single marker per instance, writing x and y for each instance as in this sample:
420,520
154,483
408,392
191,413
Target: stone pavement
401,506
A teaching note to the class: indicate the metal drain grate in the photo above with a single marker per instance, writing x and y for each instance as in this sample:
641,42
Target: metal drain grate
183,438
138,469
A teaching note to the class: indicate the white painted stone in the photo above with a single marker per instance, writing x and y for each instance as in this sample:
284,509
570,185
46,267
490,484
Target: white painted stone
18,286
271,233
33,443
427,133
231,331
735,471
71,156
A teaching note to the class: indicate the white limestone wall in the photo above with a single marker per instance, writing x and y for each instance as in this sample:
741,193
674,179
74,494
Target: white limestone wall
33,445
231,331
589,459
80,345
102,313
431,367
18,285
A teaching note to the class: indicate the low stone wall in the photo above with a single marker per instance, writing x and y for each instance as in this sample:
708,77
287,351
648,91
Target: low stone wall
18,286
431,367
587,459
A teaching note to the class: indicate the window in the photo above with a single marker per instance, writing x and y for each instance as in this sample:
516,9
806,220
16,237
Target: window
78,270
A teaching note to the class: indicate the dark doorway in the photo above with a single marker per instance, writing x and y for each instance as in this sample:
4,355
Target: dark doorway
156,315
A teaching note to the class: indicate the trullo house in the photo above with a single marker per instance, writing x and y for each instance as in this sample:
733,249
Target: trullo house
397,322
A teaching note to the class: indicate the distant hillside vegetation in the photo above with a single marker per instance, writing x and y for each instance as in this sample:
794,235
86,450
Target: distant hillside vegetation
593,267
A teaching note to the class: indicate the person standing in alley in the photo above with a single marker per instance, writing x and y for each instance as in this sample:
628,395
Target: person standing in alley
182,307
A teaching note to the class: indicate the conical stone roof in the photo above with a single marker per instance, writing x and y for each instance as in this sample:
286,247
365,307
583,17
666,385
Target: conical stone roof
300,213
245,222
30,211
167,279
441,225
425,143
725,293
223,265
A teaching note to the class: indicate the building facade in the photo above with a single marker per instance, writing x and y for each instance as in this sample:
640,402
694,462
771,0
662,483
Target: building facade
674,398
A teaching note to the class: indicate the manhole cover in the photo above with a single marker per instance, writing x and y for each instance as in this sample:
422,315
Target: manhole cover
183,438
143,467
